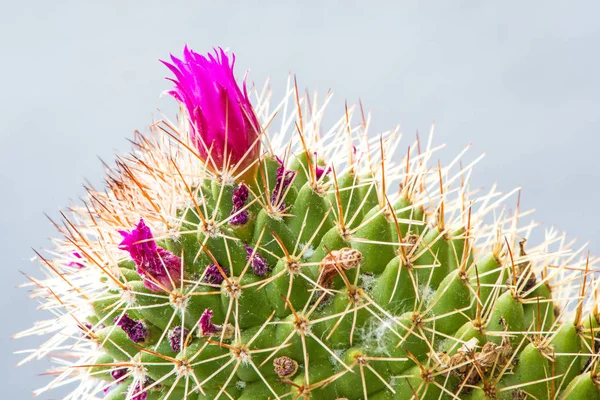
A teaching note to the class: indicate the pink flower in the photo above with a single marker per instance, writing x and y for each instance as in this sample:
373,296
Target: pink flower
224,126
160,268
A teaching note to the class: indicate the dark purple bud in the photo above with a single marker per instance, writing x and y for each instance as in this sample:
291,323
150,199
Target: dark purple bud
207,328
240,217
140,396
213,275
177,336
283,179
87,330
118,373
259,265
135,330
139,393
239,198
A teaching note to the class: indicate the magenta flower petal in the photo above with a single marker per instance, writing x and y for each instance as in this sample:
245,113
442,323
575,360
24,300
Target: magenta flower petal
159,268
224,126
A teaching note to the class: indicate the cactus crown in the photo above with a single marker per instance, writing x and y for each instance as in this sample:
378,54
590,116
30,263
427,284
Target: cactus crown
324,266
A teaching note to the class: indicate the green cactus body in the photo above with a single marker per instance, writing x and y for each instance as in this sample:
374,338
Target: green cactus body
271,277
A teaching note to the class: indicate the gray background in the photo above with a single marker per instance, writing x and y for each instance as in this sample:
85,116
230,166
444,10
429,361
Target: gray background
519,80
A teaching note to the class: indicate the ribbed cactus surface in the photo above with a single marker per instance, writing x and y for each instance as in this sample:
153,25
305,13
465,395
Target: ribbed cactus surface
246,252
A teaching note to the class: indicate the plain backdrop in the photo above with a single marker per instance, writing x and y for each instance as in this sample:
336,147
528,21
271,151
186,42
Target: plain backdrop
520,80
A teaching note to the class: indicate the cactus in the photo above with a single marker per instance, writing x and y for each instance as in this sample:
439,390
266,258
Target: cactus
244,252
